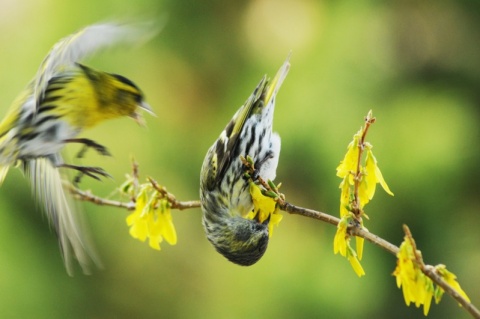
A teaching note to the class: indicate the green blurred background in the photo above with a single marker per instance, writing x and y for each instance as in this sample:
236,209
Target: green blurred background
415,63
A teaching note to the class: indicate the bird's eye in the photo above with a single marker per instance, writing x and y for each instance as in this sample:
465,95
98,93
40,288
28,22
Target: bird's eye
138,98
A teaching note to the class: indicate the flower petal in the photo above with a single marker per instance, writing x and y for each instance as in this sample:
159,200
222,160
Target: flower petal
349,162
357,267
275,219
376,172
263,205
359,244
344,197
340,239
450,278
166,223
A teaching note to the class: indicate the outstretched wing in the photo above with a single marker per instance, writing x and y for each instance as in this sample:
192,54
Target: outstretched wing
85,42
48,190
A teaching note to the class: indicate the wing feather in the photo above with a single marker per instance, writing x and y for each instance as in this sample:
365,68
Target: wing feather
48,190
85,42
230,141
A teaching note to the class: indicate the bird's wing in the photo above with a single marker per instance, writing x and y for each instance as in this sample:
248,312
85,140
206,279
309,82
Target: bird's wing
85,42
277,81
263,94
49,192
229,138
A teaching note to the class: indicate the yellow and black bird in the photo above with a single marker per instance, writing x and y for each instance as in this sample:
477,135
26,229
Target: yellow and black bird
224,191
64,98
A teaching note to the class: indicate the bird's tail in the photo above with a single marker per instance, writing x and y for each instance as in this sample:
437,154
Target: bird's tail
277,81
48,190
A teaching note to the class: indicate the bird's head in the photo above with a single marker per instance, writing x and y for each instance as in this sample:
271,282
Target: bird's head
116,95
129,98
242,241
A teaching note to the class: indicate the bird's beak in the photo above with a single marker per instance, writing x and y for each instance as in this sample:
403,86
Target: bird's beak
145,106
137,117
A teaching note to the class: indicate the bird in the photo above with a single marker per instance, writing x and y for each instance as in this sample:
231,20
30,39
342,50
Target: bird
64,98
224,189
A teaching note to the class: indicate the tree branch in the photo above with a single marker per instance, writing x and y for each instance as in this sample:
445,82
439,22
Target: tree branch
89,197
353,230
431,272
175,204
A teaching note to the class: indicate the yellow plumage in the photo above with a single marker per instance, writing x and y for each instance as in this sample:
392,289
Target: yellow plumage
63,99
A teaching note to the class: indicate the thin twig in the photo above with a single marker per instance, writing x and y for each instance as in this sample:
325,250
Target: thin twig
134,179
89,197
369,120
296,210
431,272
353,229
176,204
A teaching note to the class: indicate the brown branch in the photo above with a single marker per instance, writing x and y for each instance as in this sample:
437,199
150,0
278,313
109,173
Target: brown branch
431,272
134,178
175,204
89,197
356,210
353,230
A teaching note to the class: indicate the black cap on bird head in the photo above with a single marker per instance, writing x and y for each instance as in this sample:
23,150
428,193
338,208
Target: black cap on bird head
139,99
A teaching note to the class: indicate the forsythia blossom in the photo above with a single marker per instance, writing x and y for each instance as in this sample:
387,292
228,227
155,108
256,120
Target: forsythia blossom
152,219
341,244
416,286
340,239
373,175
348,165
264,207
358,185
368,176
451,279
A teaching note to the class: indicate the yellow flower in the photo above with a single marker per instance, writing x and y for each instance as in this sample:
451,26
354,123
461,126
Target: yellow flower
341,244
451,279
345,197
139,229
154,232
357,267
164,218
350,161
152,219
341,239
137,220
359,244
416,287
405,272
369,178
264,207
275,219
374,175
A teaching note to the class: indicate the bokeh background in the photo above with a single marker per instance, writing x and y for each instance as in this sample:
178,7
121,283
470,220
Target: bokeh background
415,63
